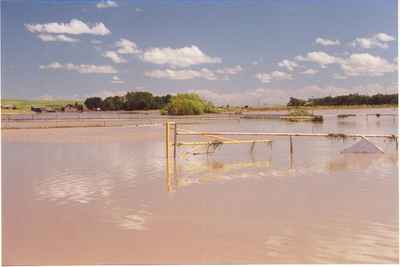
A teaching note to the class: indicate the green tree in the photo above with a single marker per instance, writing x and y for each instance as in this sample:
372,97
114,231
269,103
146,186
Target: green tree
189,104
139,100
296,102
351,99
93,103
114,103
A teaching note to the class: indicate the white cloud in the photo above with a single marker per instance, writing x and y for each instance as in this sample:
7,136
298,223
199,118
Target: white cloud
56,38
275,75
116,79
319,57
180,57
106,4
138,9
378,40
383,37
366,64
354,65
75,26
82,68
368,43
264,77
300,58
326,42
310,72
114,57
126,46
278,75
186,74
230,71
288,64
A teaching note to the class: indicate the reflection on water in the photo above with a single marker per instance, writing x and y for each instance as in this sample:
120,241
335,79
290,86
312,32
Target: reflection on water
65,188
105,189
197,170
192,172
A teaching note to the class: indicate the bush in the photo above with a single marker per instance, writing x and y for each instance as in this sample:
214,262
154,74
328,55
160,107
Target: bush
113,103
93,103
296,102
139,100
189,104
163,111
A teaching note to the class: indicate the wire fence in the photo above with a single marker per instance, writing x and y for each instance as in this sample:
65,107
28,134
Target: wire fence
97,119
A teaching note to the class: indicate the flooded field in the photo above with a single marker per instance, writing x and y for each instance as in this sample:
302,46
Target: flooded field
103,196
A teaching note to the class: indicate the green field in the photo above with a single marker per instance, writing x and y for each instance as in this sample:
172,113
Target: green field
24,106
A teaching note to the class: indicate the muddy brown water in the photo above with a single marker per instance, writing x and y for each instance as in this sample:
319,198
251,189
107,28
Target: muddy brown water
102,196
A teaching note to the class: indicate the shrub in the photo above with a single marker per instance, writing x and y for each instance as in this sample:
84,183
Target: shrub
113,103
163,111
299,112
189,104
94,103
139,100
296,102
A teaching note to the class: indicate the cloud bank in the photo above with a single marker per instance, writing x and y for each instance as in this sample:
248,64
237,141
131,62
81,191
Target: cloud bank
74,27
179,57
82,68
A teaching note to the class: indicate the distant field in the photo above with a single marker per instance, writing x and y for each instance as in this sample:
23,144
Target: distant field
24,106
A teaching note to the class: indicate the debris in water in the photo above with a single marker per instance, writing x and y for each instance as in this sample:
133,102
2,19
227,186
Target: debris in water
363,146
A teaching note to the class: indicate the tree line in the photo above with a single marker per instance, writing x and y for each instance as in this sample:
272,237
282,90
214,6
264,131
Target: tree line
351,99
130,101
180,104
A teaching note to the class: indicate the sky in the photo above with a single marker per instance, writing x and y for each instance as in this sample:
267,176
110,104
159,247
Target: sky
229,52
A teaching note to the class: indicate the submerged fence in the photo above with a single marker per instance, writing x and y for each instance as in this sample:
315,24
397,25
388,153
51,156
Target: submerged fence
220,139
94,119
172,142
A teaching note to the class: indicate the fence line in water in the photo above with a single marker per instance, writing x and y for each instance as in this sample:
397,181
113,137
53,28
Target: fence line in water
171,129
338,135
177,132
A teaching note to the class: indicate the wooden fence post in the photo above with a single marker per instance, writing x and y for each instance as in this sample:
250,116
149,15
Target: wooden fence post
167,139
175,138
291,145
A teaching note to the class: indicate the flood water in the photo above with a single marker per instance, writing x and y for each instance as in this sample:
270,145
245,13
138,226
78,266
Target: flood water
103,196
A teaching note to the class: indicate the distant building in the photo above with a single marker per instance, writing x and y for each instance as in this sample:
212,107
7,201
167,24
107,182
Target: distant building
72,108
36,109
9,106
50,110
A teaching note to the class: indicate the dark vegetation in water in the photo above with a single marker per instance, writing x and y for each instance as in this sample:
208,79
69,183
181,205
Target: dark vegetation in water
216,143
344,100
302,114
342,116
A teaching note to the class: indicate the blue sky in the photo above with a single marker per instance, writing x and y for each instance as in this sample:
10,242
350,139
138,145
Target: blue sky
237,52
